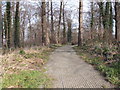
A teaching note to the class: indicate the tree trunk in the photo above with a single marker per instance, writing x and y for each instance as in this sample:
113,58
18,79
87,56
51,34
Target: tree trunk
69,33
52,26
110,24
1,31
17,28
48,11
59,22
92,21
45,37
117,17
8,16
100,19
80,24
64,26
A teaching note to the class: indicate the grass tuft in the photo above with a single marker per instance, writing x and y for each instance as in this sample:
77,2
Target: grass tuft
26,79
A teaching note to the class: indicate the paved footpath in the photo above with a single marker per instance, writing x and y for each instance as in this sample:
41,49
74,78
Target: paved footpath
70,71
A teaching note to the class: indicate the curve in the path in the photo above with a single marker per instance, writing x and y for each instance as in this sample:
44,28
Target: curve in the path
70,71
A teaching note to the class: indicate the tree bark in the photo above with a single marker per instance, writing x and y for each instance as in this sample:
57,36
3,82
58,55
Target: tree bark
1,31
17,27
100,19
8,16
117,17
80,24
45,37
59,22
52,25
69,33
64,26
92,21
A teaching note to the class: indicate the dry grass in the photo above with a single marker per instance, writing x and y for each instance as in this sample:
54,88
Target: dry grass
15,62
23,62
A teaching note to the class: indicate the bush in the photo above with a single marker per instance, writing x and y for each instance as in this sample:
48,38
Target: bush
22,52
102,68
106,50
98,50
116,56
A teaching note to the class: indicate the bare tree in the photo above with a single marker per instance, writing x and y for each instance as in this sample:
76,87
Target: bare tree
45,37
80,24
17,27
92,21
52,25
59,21
1,25
117,17
69,33
8,29
64,26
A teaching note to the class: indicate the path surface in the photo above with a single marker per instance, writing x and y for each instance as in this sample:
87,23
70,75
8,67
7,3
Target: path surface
70,71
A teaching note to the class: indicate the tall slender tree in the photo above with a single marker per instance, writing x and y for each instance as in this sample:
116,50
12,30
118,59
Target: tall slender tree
117,17
92,20
111,22
45,37
52,25
8,29
106,17
1,25
101,13
61,3
69,33
64,26
17,27
80,23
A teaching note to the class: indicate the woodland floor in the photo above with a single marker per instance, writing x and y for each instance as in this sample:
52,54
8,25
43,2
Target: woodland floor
70,71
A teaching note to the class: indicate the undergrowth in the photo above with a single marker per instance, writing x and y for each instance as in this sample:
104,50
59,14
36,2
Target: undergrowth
23,68
110,71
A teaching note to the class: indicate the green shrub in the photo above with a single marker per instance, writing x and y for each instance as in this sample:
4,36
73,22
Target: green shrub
102,68
106,50
22,52
98,50
111,71
116,56
114,80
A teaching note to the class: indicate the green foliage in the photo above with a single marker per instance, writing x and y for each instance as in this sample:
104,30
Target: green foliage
116,56
102,68
22,52
98,50
112,72
106,50
26,79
